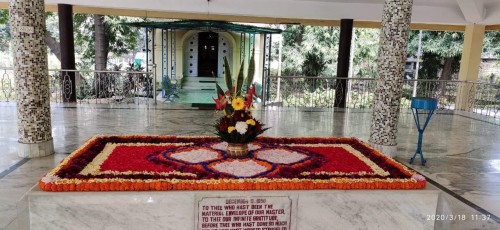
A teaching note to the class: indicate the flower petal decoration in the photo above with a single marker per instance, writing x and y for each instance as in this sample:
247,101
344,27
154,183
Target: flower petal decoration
160,163
195,155
279,155
241,168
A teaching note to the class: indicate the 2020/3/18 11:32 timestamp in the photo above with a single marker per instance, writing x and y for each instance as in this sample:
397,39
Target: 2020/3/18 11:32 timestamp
459,217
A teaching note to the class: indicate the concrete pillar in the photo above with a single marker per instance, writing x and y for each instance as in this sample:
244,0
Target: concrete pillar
343,62
396,20
469,65
27,22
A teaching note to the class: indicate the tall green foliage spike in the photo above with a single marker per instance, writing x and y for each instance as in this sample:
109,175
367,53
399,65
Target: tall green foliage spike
251,70
240,79
227,75
219,89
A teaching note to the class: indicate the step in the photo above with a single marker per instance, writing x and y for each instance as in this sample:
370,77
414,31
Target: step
202,79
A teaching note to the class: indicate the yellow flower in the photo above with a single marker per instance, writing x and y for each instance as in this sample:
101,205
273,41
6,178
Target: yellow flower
230,129
238,103
251,121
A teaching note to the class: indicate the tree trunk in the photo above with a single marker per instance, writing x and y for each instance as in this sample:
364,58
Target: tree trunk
445,75
101,54
53,45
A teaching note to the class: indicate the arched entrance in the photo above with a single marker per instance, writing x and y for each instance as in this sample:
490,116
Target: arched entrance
204,54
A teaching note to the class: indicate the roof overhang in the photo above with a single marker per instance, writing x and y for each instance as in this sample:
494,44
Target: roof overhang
203,25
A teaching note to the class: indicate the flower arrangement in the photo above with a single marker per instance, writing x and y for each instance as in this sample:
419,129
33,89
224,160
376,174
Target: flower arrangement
237,125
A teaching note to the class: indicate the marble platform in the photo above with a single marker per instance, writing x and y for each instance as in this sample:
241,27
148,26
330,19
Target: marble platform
311,210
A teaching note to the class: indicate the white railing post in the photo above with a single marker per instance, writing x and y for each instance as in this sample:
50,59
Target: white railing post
419,54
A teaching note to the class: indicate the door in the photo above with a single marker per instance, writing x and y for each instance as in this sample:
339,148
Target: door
208,46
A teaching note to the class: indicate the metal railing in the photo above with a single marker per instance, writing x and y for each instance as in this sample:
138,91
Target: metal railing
293,91
101,87
107,87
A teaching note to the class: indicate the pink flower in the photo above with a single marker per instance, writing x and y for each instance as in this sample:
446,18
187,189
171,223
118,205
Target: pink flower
248,100
220,102
251,91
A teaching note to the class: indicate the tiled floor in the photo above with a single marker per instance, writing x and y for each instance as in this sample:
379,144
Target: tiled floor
463,153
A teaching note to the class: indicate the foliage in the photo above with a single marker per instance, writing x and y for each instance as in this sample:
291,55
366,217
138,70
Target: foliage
366,44
119,39
441,51
237,125
4,30
492,42
4,37
312,42
299,42
4,16
314,63
442,43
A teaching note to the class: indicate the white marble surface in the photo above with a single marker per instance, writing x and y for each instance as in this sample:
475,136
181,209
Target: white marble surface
367,210
316,209
113,210
36,149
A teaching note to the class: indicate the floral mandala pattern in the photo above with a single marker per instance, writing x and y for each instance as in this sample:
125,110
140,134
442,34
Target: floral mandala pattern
261,161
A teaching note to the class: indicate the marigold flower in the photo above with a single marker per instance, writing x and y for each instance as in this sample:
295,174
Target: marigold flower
251,122
230,129
238,103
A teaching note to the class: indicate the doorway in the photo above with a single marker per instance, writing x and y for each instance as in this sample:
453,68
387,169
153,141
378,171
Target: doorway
208,47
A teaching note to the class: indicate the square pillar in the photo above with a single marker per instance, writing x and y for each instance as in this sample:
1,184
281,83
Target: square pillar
469,65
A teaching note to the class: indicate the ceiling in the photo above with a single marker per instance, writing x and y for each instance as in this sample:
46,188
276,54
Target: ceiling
441,12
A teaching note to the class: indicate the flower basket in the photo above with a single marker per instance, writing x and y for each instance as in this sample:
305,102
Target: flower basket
237,127
237,150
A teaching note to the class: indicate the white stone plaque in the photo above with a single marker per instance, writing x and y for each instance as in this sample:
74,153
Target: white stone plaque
26,29
244,213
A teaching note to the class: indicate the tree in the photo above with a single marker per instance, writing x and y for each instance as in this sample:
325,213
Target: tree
4,16
52,34
4,31
300,40
445,44
314,63
365,52
441,55
492,42
99,36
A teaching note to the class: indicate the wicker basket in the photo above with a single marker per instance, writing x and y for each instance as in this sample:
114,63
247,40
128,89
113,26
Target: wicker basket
237,150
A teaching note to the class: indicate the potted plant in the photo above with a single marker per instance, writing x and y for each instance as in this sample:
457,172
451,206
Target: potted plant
237,126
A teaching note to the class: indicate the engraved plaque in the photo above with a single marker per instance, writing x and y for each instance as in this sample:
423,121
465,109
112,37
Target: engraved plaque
244,213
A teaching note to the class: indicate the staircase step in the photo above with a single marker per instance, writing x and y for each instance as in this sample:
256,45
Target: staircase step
202,79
